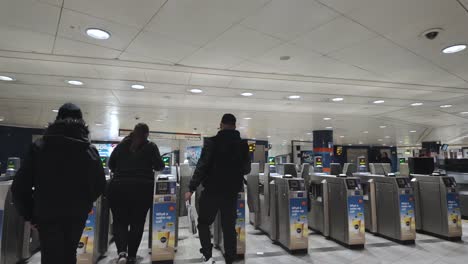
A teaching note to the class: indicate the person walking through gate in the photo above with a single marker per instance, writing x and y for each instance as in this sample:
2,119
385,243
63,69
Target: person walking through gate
55,188
223,163
133,163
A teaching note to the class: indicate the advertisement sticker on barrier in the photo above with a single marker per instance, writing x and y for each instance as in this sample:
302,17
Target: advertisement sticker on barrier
356,219
164,225
240,224
299,225
86,245
407,221
454,214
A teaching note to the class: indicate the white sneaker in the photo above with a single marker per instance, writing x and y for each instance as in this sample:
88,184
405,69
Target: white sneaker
209,261
122,258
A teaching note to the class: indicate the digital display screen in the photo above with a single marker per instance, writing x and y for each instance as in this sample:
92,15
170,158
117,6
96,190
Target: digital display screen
401,183
163,186
271,160
402,160
10,165
104,161
166,160
294,184
362,162
318,161
252,147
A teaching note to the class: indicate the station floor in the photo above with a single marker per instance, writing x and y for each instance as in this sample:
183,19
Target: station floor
260,249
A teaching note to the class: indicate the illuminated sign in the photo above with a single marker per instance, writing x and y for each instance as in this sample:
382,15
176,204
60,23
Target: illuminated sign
252,147
318,161
271,160
166,160
339,151
402,160
104,161
362,162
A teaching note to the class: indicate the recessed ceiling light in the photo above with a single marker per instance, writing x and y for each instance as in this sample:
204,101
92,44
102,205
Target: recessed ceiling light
196,91
285,58
413,131
2,119
379,102
97,33
360,143
387,136
6,78
268,136
114,113
365,132
246,94
350,144
254,138
294,97
384,144
75,82
138,86
309,133
55,110
327,118
329,127
247,118
382,126
99,124
337,99
416,104
464,113
159,120
401,141
341,136
454,49
446,106
380,139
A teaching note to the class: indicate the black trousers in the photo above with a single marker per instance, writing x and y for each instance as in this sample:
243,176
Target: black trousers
209,205
59,239
129,225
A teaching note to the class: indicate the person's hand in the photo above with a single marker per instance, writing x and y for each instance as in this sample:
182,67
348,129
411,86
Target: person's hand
188,196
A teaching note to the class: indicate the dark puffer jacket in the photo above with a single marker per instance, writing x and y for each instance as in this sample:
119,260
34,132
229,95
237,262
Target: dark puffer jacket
65,171
223,163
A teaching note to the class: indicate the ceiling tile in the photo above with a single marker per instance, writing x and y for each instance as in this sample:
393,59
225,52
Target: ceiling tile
161,47
210,58
167,77
128,56
241,42
77,48
73,26
383,57
120,73
16,39
131,13
198,22
52,2
209,80
29,15
289,19
335,35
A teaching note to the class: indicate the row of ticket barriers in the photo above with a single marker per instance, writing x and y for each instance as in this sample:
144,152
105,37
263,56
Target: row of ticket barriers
284,205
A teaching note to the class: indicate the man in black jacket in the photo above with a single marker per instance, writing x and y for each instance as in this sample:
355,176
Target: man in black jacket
56,186
223,163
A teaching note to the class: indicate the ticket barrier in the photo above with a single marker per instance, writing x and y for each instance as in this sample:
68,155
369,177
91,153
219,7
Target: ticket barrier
437,206
164,220
18,240
334,199
96,237
240,228
389,207
255,188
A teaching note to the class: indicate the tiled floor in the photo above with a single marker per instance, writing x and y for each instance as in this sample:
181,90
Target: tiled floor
377,250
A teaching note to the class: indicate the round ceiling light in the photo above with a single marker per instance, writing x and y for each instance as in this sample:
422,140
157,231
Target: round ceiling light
446,106
379,102
382,126
365,132
329,127
454,49
327,118
413,131
464,113
97,33
2,118
416,104
74,82
341,136
338,99
138,86
246,94
294,97
247,118
6,78
196,91
380,139
55,110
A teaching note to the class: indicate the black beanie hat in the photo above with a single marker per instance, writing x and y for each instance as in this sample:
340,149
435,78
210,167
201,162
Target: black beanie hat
229,119
69,110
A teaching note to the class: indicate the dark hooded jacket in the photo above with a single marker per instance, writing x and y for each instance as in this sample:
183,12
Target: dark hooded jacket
223,163
61,176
